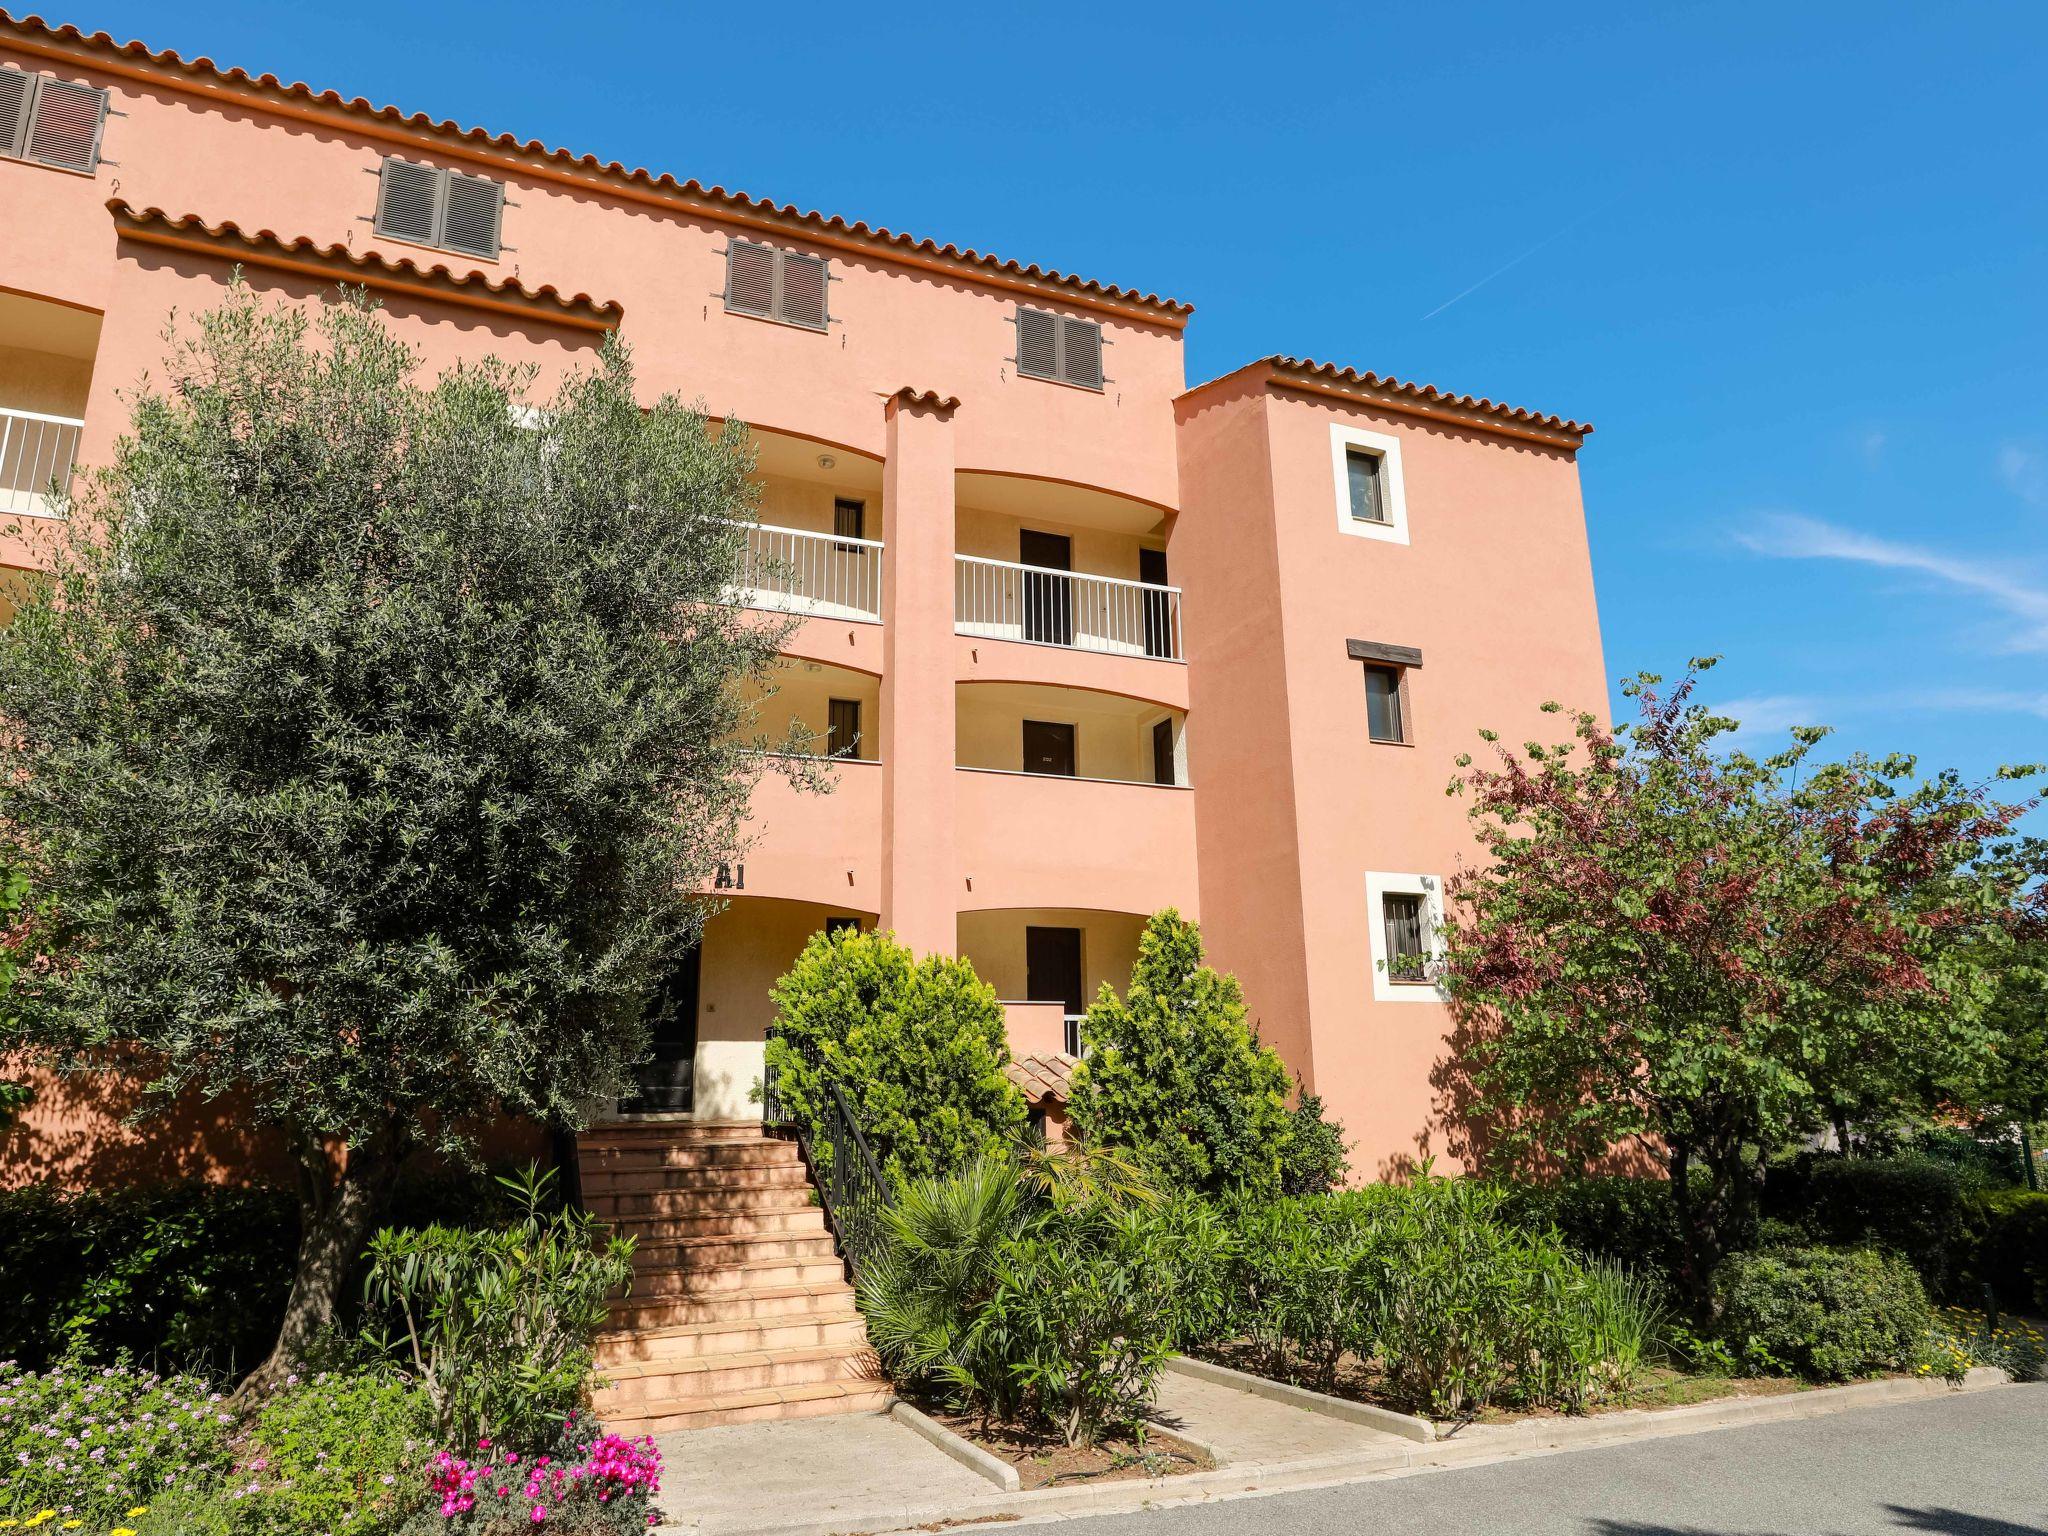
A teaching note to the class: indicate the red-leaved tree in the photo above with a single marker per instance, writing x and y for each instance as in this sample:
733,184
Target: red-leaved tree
1706,955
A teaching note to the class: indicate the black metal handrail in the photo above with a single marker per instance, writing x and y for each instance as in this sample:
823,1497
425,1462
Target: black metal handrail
849,1179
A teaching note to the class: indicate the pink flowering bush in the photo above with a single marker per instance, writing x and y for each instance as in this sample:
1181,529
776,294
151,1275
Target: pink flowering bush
604,1486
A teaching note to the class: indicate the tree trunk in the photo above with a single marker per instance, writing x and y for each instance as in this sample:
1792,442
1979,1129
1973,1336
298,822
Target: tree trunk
336,1216
1696,1268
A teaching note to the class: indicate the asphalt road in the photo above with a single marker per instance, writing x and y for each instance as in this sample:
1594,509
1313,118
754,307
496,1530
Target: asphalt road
1969,1465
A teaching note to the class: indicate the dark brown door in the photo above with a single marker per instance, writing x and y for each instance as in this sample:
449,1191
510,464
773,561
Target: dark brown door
666,1082
1052,966
1159,636
1048,748
1162,754
849,521
1048,600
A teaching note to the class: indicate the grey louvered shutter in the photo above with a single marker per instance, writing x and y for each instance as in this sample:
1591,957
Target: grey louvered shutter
17,90
409,202
1038,343
473,206
1081,352
750,278
803,289
64,129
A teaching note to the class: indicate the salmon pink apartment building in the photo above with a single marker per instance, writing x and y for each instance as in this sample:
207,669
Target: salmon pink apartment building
1087,641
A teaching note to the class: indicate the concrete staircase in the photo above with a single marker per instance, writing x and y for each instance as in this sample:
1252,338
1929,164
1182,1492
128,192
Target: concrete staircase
740,1309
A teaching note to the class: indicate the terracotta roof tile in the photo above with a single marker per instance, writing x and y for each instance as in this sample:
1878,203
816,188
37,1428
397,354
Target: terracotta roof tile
1039,1078
31,27
1429,393
1426,399
930,399
264,247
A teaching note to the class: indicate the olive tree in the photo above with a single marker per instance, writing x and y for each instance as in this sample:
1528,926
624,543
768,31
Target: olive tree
367,737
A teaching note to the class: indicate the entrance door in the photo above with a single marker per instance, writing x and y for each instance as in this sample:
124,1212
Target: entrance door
1164,770
1048,600
1049,748
1158,605
1052,974
666,1083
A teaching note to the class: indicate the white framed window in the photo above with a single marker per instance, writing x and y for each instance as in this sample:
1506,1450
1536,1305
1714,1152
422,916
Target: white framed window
1365,468
1404,916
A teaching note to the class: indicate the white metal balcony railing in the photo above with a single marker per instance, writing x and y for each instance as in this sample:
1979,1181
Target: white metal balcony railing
1073,1030
36,455
819,575
1001,600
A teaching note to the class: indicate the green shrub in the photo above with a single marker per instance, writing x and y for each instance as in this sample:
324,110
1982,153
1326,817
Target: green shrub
340,1453
1827,1314
94,1442
499,1323
1025,1305
189,1276
1981,1161
1460,1307
186,1277
1176,1075
1312,1157
1910,1205
1470,1309
1299,1302
2011,1255
918,1047
1630,1221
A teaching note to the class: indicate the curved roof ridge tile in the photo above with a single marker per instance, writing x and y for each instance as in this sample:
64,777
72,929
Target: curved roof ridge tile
168,59
227,230
1477,404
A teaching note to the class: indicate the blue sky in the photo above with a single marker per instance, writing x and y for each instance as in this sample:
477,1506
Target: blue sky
1792,260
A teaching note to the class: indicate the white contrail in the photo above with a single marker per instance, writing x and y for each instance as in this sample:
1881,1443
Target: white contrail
1496,272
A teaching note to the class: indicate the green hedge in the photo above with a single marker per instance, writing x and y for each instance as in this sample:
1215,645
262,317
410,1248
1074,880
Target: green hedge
1622,1220
2011,1254
1828,1314
1911,1205
183,1277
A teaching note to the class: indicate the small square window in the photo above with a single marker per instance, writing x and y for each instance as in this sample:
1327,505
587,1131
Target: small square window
1406,920
1385,718
1363,472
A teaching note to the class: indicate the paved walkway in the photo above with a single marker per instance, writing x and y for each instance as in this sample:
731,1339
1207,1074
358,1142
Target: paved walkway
1250,1429
1965,1465
746,1477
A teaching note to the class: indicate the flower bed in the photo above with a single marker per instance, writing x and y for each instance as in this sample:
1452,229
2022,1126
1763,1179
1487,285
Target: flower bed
1044,1460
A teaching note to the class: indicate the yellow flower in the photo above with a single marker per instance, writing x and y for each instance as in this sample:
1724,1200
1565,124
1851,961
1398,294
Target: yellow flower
122,1530
72,1525
138,1512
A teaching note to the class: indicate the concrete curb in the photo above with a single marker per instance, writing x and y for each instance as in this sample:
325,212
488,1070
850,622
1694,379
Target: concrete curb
1406,1425
961,1449
1476,1446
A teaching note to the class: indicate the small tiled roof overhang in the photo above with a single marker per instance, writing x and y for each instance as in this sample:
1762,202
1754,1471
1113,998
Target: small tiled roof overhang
33,35
337,263
1411,399
1043,1079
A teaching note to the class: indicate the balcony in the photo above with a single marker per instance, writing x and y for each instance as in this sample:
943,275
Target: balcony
1037,840
1004,600
815,575
36,456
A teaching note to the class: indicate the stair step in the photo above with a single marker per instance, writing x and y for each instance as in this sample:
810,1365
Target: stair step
826,1324
601,1184
744,1275
758,1152
720,1375
667,1130
658,1416
777,1302
737,1221
693,1253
